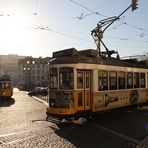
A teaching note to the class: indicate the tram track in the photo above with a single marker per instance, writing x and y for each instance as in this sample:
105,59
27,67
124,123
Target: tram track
118,134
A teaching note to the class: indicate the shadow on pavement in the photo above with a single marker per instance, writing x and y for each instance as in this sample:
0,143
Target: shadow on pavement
85,135
5,102
109,131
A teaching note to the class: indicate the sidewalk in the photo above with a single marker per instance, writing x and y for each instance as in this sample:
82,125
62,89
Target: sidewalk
43,99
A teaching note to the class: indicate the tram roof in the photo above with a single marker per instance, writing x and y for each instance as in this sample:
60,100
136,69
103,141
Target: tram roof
90,56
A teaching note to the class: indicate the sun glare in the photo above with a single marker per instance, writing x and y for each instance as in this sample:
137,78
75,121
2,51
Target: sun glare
14,34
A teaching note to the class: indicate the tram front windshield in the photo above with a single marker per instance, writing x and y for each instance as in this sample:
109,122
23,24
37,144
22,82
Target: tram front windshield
61,87
5,85
65,78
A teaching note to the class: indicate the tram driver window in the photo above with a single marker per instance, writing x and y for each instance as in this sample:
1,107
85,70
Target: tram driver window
129,80
103,80
112,80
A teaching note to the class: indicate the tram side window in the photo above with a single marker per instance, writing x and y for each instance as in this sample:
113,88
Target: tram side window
66,78
121,80
136,80
142,80
79,80
129,80
112,80
53,78
103,80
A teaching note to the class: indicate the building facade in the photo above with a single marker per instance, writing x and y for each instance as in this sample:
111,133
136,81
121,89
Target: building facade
33,72
8,66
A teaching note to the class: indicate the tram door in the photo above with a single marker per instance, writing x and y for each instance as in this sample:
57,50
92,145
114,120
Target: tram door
83,87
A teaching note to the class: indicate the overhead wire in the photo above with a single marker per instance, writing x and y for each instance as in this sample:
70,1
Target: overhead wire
48,28
82,16
125,39
96,12
93,12
61,33
135,27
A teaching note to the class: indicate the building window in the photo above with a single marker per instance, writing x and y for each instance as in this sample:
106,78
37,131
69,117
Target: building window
33,71
33,79
33,65
38,78
38,72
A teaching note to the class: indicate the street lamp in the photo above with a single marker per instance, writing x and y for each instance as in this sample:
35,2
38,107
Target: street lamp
27,75
28,69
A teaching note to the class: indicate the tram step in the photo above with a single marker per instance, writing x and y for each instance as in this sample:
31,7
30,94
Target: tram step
53,119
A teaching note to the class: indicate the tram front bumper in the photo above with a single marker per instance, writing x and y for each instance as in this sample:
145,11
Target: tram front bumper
60,112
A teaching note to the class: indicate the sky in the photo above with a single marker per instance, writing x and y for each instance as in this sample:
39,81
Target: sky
39,27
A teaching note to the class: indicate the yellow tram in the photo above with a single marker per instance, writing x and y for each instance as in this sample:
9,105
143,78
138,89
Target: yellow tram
6,87
83,83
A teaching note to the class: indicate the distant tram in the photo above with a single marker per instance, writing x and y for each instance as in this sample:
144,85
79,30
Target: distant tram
83,83
6,87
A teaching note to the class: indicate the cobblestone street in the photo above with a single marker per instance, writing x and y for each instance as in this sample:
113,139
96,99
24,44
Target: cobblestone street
23,124
38,135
